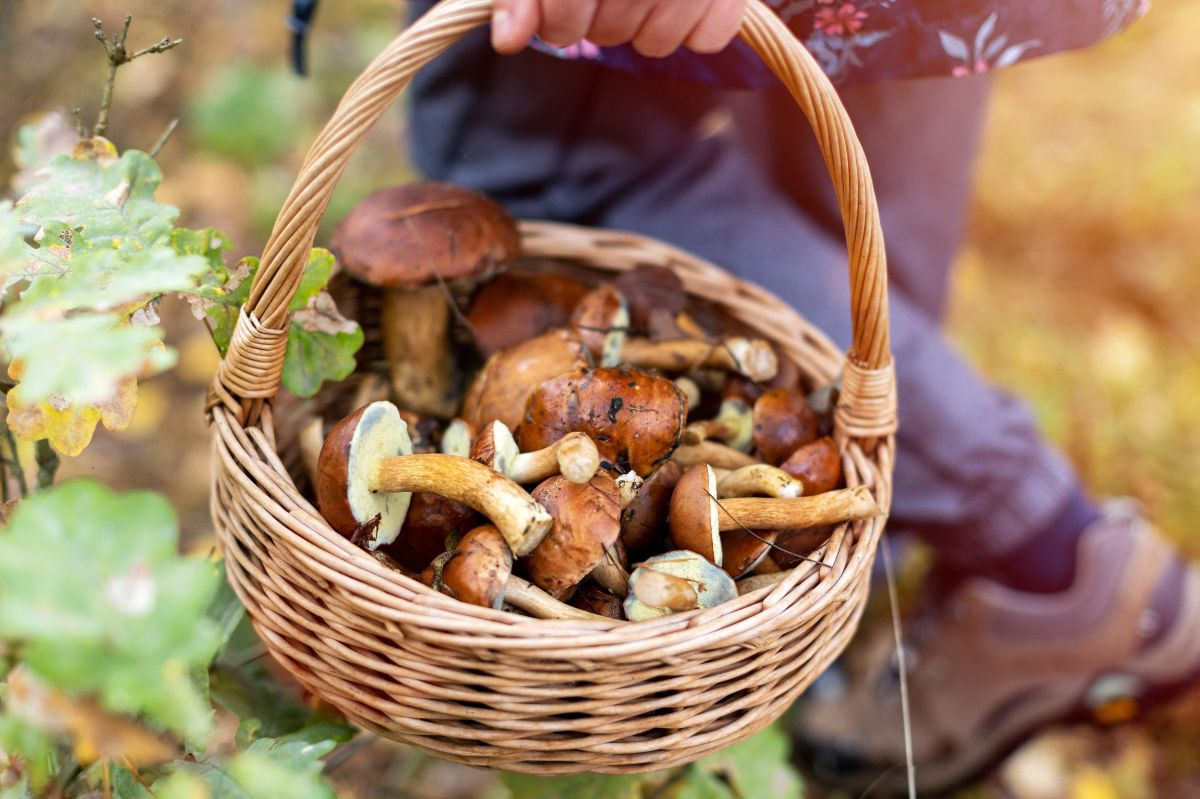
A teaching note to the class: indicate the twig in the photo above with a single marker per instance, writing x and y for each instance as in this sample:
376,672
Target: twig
78,116
18,472
162,139
47,463
118,55
901,667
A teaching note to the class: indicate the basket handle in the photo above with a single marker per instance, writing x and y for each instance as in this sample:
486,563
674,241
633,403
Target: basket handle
250,372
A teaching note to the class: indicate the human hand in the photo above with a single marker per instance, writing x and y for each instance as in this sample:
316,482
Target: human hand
656,28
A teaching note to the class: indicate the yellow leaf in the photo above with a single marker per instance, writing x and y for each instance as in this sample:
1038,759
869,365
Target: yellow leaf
1092,783
116,412
70,428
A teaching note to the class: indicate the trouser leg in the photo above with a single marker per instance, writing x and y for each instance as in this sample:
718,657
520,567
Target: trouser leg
576,142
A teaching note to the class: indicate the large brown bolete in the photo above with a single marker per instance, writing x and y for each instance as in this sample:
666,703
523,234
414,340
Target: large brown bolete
783,422
634,417
407,240
366,476
817,465
513,308
644,517
503,385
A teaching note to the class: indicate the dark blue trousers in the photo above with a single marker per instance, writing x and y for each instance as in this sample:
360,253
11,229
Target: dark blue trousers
736,178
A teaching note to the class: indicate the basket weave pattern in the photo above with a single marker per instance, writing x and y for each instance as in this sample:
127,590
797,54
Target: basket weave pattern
503,690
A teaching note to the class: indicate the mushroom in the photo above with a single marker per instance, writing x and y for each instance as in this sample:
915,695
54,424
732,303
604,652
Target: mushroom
629,484
634,418
711,585
690,390
817,465
422,430
513,308
711,452
586,522
791,545
643,519
602,321
759,480
456,438
783,422
367,474
574,456
745,549
408,240
479,571
612,572
753,358
593,598
504,384
656,303
733,425
697,516
431,520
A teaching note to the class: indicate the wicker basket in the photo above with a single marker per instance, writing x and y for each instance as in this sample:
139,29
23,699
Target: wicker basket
502,690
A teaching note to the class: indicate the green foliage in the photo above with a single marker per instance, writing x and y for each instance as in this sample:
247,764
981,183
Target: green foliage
247,114
95,595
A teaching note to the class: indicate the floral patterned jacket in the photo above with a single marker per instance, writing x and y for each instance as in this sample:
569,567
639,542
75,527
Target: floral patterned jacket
864,41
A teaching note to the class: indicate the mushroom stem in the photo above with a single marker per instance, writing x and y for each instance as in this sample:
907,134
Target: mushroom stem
759,480
732,425
753,358
712,453
536,602
610,575
657,589
832,507
415,325
574,456
520,519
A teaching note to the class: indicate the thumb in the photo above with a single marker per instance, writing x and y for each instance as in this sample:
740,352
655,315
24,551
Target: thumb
513,24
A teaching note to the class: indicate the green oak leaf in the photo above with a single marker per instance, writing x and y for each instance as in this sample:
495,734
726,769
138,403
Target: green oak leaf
93,590
758,766
12,242
694,783
35,748
578,786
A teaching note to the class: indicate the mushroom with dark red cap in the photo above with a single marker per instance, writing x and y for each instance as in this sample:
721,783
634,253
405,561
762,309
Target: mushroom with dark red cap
698,517
574,456
502,387
635,418
783,422
676,581
408,240
513,308
367,475
587,520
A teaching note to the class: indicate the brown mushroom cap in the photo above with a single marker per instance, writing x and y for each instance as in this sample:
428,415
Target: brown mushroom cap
478,569
817,465
743,550
792,546
502,388
354,445
586,522
430,521
510,308
602,320
644,519
408,236
634,418
783,422
693,516
593,598
654,295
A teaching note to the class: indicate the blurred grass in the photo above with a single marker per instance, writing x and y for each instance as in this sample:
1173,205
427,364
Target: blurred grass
1077,289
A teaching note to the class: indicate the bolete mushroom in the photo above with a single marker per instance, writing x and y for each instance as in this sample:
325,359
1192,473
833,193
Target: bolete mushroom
690,390
512,308
753,358
698,516
367,475
783,422
479,571
710,585
712,453
593,598
602,320
817,465
456,438
430,521
574,456
502,387
645,517
408,240
656,303
634,418
733,424
587,520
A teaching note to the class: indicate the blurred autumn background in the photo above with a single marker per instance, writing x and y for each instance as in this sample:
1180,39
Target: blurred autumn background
1077,289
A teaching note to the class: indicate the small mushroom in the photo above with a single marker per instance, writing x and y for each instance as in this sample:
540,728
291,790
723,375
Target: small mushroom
503,386
409,240
479,571
574,456
431,520
783,422
793,546
711,452
644,519
586,522
367,476
697,516
512,308
602,321
759,480
817,465
593,598
657,589
456,438
753,358
634,418
711,585
734,425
